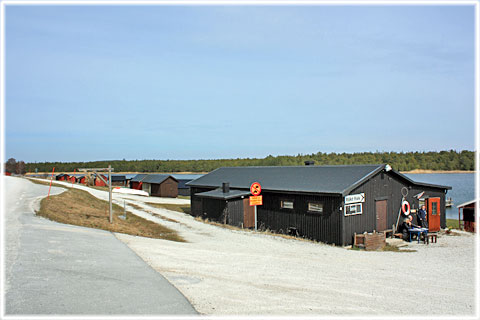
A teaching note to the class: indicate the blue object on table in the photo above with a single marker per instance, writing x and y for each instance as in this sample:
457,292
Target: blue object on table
418,232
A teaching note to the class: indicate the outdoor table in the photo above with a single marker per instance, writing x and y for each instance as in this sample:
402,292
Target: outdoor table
418,232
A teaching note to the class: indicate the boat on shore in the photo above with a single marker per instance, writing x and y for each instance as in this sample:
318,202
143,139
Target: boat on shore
449,202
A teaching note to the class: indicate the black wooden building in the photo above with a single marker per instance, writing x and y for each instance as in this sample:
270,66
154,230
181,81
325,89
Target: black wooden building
324,203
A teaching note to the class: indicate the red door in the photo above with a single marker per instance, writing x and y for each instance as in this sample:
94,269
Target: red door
381,210
248,214
433,214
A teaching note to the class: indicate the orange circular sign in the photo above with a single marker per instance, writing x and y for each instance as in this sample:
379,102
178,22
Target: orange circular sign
255,188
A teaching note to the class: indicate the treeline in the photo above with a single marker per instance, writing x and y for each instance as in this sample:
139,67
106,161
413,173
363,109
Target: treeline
14,167
443,160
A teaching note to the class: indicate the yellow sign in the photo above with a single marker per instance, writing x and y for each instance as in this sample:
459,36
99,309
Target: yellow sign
256,200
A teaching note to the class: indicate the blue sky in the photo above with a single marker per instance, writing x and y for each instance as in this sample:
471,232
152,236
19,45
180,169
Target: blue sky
189,82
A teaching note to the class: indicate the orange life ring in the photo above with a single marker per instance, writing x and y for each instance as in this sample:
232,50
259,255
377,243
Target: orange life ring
406,211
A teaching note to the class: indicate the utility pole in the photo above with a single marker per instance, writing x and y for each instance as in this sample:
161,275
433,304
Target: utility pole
110,191
89,171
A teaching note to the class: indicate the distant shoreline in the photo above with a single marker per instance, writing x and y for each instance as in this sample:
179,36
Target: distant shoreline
436,171
416,171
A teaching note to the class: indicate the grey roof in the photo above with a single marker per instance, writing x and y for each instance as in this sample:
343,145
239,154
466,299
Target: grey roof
186,176
139,177
422,184
182,183
467,203
218,194
157,178
309,179
118,177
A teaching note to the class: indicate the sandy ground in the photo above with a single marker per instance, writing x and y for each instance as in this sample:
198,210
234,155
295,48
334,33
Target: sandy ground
235,272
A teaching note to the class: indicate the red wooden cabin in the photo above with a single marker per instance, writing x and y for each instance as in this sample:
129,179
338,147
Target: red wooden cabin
136,182
62,177
99,182
469,209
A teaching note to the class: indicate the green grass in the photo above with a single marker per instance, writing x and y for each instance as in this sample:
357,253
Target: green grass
452,223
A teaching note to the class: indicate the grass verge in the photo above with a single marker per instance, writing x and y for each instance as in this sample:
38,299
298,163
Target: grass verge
391,248
185,208
46,183
452,223
266,232
80,208
387,248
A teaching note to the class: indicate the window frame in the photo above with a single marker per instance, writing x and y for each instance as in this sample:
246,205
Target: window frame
353,205
287,200
315,203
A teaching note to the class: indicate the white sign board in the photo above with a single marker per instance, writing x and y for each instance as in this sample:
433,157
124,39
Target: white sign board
355,198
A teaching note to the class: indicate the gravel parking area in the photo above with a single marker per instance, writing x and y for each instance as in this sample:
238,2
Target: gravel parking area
234,272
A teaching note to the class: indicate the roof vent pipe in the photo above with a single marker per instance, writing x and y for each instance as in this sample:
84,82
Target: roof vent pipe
225,187
309,163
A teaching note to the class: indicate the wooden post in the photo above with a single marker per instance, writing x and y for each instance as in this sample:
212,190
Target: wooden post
255,218
110,191
73,178
459,227
48,196
399,212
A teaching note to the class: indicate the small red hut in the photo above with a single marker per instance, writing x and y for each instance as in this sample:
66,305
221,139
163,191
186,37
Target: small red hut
99,182
468,220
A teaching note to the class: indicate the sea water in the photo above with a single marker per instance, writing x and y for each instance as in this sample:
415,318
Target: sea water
463,187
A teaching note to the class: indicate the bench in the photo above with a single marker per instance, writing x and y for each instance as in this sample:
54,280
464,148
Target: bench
431,237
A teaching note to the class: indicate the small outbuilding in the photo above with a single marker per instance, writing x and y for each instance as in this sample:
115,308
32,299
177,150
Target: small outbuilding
160,185
99,182
61,177
323,203
128,179
183,179
118,180
468,220
136,182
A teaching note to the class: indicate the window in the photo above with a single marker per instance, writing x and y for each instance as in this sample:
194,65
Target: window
434,208
351,209
315,207
286,204
421,202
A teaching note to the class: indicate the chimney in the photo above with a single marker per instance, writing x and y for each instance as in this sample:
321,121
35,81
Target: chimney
225,187
309,163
